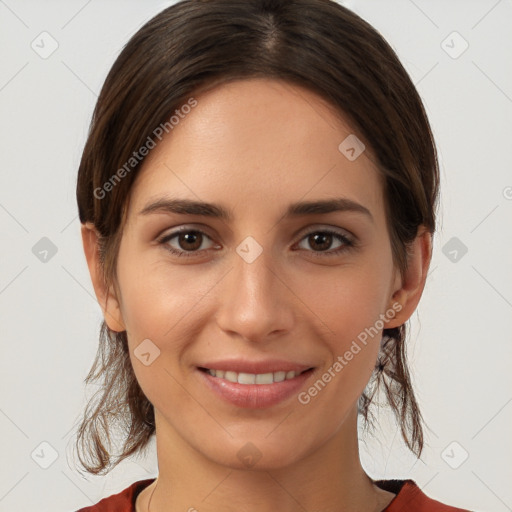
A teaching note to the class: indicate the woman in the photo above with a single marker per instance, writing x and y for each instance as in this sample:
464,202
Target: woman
257,197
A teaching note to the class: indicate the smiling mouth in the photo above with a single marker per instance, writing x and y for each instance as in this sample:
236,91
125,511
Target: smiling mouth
253,378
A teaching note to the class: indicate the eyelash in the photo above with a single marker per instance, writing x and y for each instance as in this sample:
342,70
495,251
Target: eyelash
347,243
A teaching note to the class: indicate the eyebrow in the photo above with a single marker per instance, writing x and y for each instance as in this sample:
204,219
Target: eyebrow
190,207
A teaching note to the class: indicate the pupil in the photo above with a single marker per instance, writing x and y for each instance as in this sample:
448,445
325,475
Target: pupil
190,238
324,240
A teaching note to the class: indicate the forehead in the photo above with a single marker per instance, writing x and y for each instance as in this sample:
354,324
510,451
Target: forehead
258,139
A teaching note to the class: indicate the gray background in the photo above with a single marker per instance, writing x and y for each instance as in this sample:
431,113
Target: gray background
460,348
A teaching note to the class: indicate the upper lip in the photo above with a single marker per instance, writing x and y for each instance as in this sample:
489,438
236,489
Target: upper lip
256,367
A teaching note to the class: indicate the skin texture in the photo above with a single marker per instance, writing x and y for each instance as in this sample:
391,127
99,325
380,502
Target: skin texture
255,146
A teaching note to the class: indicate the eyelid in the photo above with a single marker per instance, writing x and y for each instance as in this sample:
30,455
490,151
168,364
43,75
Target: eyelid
184,228
328,228
348,239
166,236
307,231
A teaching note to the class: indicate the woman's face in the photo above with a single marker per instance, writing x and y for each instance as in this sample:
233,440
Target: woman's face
271,287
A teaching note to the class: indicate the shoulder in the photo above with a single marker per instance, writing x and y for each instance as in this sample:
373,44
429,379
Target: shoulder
409,497
123,501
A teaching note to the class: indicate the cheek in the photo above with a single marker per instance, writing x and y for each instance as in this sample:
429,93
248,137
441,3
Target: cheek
159,305
164,304
156,297
160,300
349,303
349,300
351,310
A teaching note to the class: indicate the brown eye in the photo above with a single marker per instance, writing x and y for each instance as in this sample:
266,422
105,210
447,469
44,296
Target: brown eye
321,241
185,242
190,241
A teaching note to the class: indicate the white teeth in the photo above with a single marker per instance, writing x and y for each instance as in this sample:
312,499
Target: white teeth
264,378
231,376
252,378
279,376
246,378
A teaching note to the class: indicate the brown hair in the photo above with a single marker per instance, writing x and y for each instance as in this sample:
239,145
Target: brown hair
197,44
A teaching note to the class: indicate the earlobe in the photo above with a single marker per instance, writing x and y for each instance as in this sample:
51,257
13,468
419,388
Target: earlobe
407,291
105,295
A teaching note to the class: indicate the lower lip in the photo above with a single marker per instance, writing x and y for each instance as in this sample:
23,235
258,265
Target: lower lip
254,396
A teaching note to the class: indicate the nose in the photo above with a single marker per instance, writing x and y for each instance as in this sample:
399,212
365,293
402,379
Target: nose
256,303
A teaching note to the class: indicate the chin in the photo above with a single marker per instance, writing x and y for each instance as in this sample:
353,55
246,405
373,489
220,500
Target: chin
258,454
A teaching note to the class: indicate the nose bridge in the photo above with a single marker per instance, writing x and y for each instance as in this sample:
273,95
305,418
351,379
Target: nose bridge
255,304
253,276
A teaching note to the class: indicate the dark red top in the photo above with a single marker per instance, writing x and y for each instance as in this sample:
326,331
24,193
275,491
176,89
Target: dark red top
409,498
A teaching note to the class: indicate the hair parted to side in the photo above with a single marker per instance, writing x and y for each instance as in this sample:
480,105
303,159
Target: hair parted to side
195,45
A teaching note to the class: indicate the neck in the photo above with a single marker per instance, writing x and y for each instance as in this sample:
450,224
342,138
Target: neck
329,479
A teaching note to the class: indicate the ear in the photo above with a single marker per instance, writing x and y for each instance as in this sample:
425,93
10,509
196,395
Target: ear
106,296
407,291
